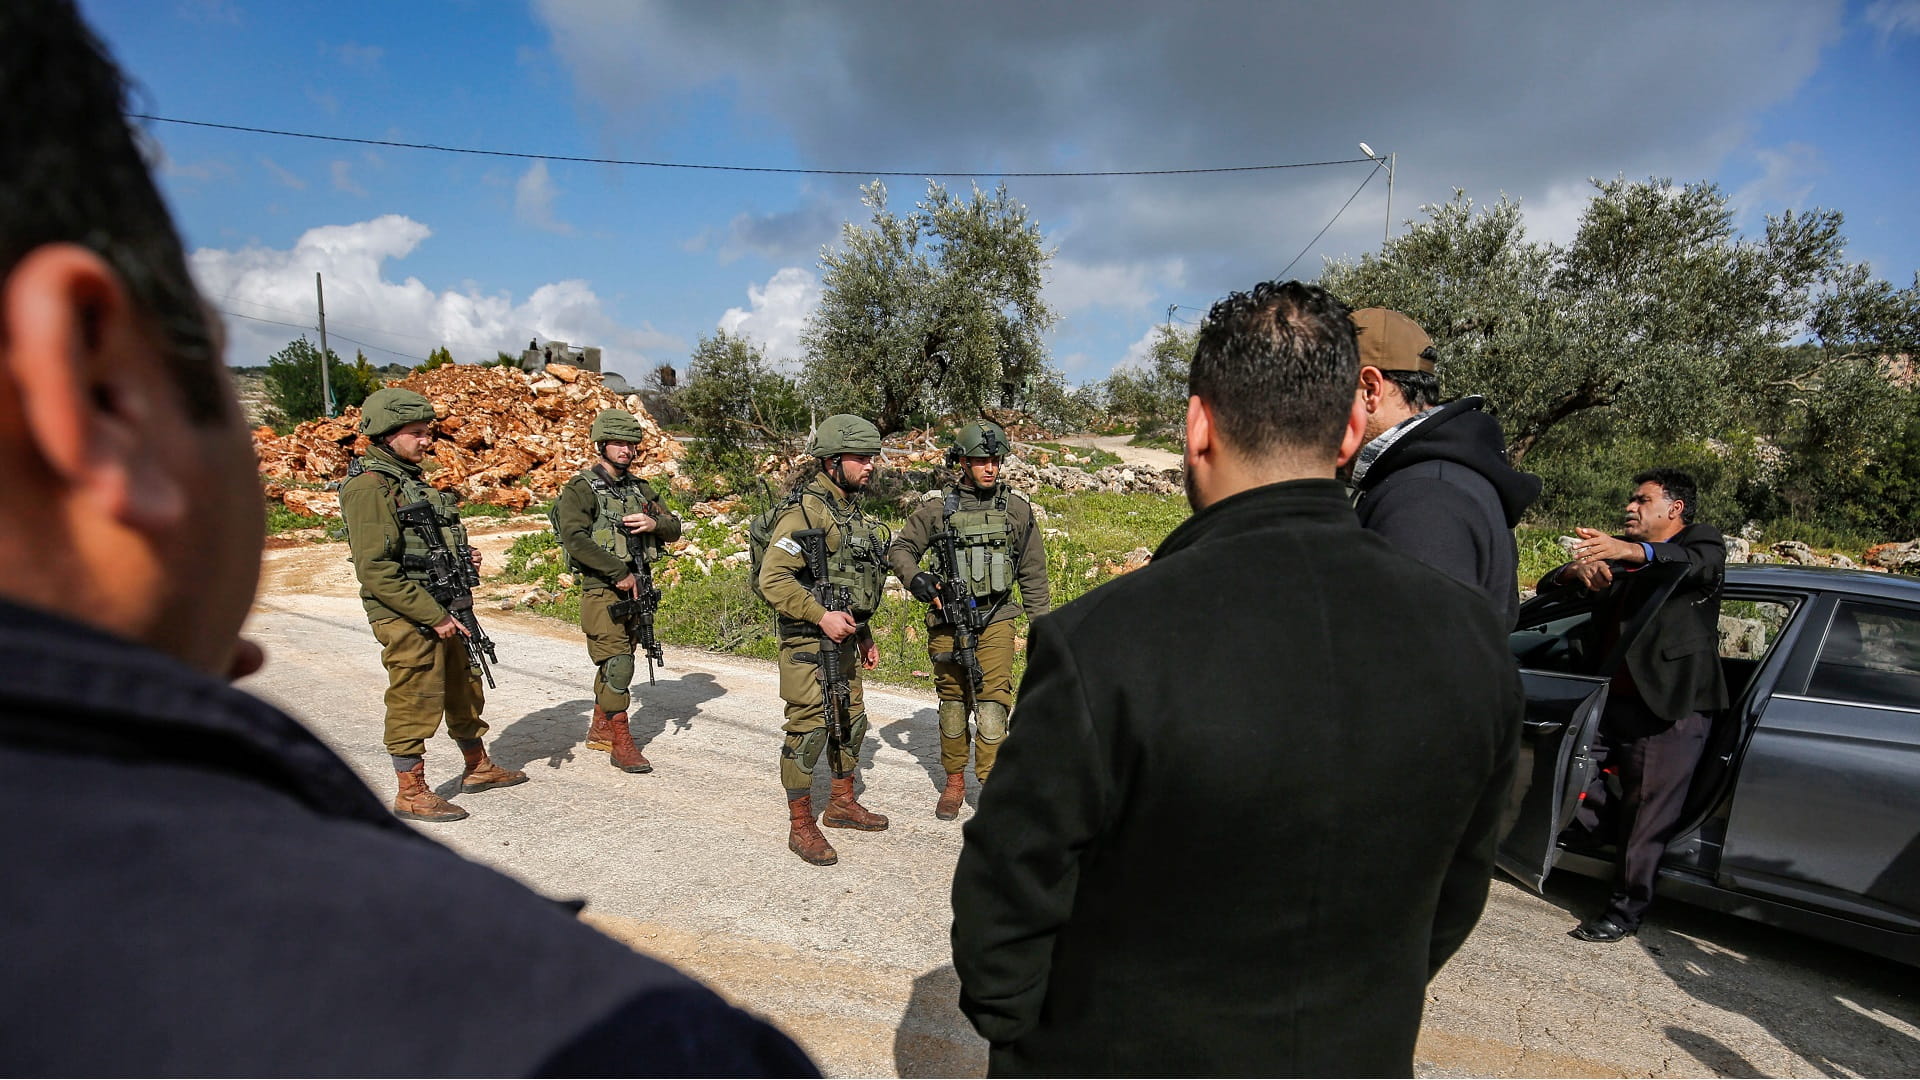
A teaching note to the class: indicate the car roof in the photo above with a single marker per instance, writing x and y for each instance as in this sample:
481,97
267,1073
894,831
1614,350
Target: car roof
1827,579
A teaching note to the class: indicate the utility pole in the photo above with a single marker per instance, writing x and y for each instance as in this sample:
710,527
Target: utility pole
326,381
1387,232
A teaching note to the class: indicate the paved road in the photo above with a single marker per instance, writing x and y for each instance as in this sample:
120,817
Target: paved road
689,863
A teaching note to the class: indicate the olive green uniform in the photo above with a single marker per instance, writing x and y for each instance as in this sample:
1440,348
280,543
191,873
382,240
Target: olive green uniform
998,547
587,516
427,677
853,560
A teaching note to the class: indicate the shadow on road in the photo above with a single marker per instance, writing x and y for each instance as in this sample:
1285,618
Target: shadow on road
551,733
919,734
673,701
933,1038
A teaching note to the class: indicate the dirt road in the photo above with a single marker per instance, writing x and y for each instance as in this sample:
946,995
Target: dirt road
689,863
1122,447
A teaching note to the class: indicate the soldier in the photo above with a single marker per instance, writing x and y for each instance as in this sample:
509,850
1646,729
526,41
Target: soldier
846,446
422,645
604,517
997,547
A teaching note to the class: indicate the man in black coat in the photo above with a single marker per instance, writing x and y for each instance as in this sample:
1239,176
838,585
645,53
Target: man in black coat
1222,842
1655,724
193,883
1433,479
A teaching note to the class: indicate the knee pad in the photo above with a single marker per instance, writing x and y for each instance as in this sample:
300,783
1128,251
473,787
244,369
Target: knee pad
953,720
992,720
804,749
618,672
856,733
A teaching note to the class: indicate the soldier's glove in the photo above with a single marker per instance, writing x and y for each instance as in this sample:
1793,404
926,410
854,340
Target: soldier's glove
923,586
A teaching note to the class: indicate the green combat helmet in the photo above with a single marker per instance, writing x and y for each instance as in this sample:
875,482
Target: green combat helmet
843,433
616,425
982,438
390,409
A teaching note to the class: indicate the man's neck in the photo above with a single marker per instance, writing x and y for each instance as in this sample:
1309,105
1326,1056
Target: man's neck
382,452
1233,474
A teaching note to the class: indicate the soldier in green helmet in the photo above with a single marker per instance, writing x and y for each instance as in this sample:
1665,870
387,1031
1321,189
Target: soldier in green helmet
605,517
422,646
847,447
997,548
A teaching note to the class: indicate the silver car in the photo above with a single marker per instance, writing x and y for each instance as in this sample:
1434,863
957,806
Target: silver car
1805,810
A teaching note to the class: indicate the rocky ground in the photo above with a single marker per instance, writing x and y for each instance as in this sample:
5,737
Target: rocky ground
689,863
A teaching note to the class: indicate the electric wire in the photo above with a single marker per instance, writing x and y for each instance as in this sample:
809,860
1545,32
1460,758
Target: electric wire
1336,217
330,333
790,171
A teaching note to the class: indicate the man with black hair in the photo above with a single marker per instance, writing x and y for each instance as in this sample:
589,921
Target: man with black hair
196,884
1433,479
1218,842
1655,724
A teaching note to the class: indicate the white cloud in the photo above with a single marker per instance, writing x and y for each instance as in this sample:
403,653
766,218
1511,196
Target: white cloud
283,174
533,196
1785,181
1074,287
777,314
342,173
1139,353
1894,17
406,316
1555,219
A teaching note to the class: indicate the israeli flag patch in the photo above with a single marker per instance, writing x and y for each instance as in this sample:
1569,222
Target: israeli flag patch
787,545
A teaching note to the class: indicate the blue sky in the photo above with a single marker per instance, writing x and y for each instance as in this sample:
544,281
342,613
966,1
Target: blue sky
1783,103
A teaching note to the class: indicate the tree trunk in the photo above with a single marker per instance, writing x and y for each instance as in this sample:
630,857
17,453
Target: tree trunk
1586,397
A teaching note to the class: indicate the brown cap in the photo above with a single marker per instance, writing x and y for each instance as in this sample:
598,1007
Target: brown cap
1392,342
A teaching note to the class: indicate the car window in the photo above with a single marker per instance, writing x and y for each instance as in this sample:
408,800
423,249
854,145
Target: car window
1870,656
1748,628
1567,644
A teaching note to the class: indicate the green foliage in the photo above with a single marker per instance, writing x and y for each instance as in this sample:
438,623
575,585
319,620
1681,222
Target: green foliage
737,406
293,380
500,359
1153,397
1089,458
439,357
936,312
282,520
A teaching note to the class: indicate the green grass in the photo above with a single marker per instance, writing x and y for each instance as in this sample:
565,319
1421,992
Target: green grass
1166,442
282,520
1090,458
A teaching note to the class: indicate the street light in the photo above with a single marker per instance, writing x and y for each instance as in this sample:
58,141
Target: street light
1388,162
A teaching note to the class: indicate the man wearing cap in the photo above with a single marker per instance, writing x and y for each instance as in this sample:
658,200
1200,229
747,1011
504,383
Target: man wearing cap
996,547
846,447
606,518
1432,479
422,646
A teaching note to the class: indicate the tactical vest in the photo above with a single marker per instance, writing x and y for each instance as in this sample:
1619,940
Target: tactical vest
856,563
613,501
983,543
408,489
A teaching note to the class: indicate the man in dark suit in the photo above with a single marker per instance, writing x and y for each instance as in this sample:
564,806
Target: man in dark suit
1655,725
1222,843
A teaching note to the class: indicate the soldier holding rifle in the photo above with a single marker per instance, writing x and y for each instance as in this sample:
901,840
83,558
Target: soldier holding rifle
399,530
614,526
984,542
824,575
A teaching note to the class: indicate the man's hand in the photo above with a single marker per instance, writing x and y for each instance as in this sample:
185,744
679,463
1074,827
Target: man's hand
869,653
837,625
923,586
1593,575
473,554
448,627
1596,546
626,584
639,523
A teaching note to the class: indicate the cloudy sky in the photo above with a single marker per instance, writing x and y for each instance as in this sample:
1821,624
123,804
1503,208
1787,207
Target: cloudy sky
1784,103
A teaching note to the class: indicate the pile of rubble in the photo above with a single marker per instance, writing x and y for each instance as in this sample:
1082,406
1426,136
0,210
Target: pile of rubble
507,437
1114,479
1789,552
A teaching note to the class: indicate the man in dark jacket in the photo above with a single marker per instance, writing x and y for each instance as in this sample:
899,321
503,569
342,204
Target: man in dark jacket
1433,479
194,883
1655,724
1219,842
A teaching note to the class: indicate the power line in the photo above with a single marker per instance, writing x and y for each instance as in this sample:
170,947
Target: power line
309,326
336,322
1336,217
529,156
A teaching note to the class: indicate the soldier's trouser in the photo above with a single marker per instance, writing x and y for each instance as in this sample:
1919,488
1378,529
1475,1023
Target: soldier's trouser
427,678
806,725
611,647
995,652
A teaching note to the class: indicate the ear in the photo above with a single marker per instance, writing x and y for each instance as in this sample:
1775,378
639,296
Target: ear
90,386
1372,385
1199,426
1354,436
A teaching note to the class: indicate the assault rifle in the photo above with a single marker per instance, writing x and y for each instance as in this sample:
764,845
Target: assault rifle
450,580
637,613
961,611
836,690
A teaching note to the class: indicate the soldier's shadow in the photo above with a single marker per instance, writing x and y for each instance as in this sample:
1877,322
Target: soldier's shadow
550,733
673,701
919,734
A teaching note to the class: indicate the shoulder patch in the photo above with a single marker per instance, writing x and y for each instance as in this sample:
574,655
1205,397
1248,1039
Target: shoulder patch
787,544
932,495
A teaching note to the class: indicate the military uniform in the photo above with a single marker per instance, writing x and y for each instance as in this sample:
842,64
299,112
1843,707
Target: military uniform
587,516
428,677
854,545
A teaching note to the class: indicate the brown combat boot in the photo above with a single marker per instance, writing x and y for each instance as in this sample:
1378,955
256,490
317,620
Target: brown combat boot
598,737
950,799
482,774
417,802
626,756
803,836
844,813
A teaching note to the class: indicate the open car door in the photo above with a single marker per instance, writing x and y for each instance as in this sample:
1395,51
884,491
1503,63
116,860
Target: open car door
1557,643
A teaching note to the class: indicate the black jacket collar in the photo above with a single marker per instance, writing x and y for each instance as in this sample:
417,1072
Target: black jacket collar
1290,503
